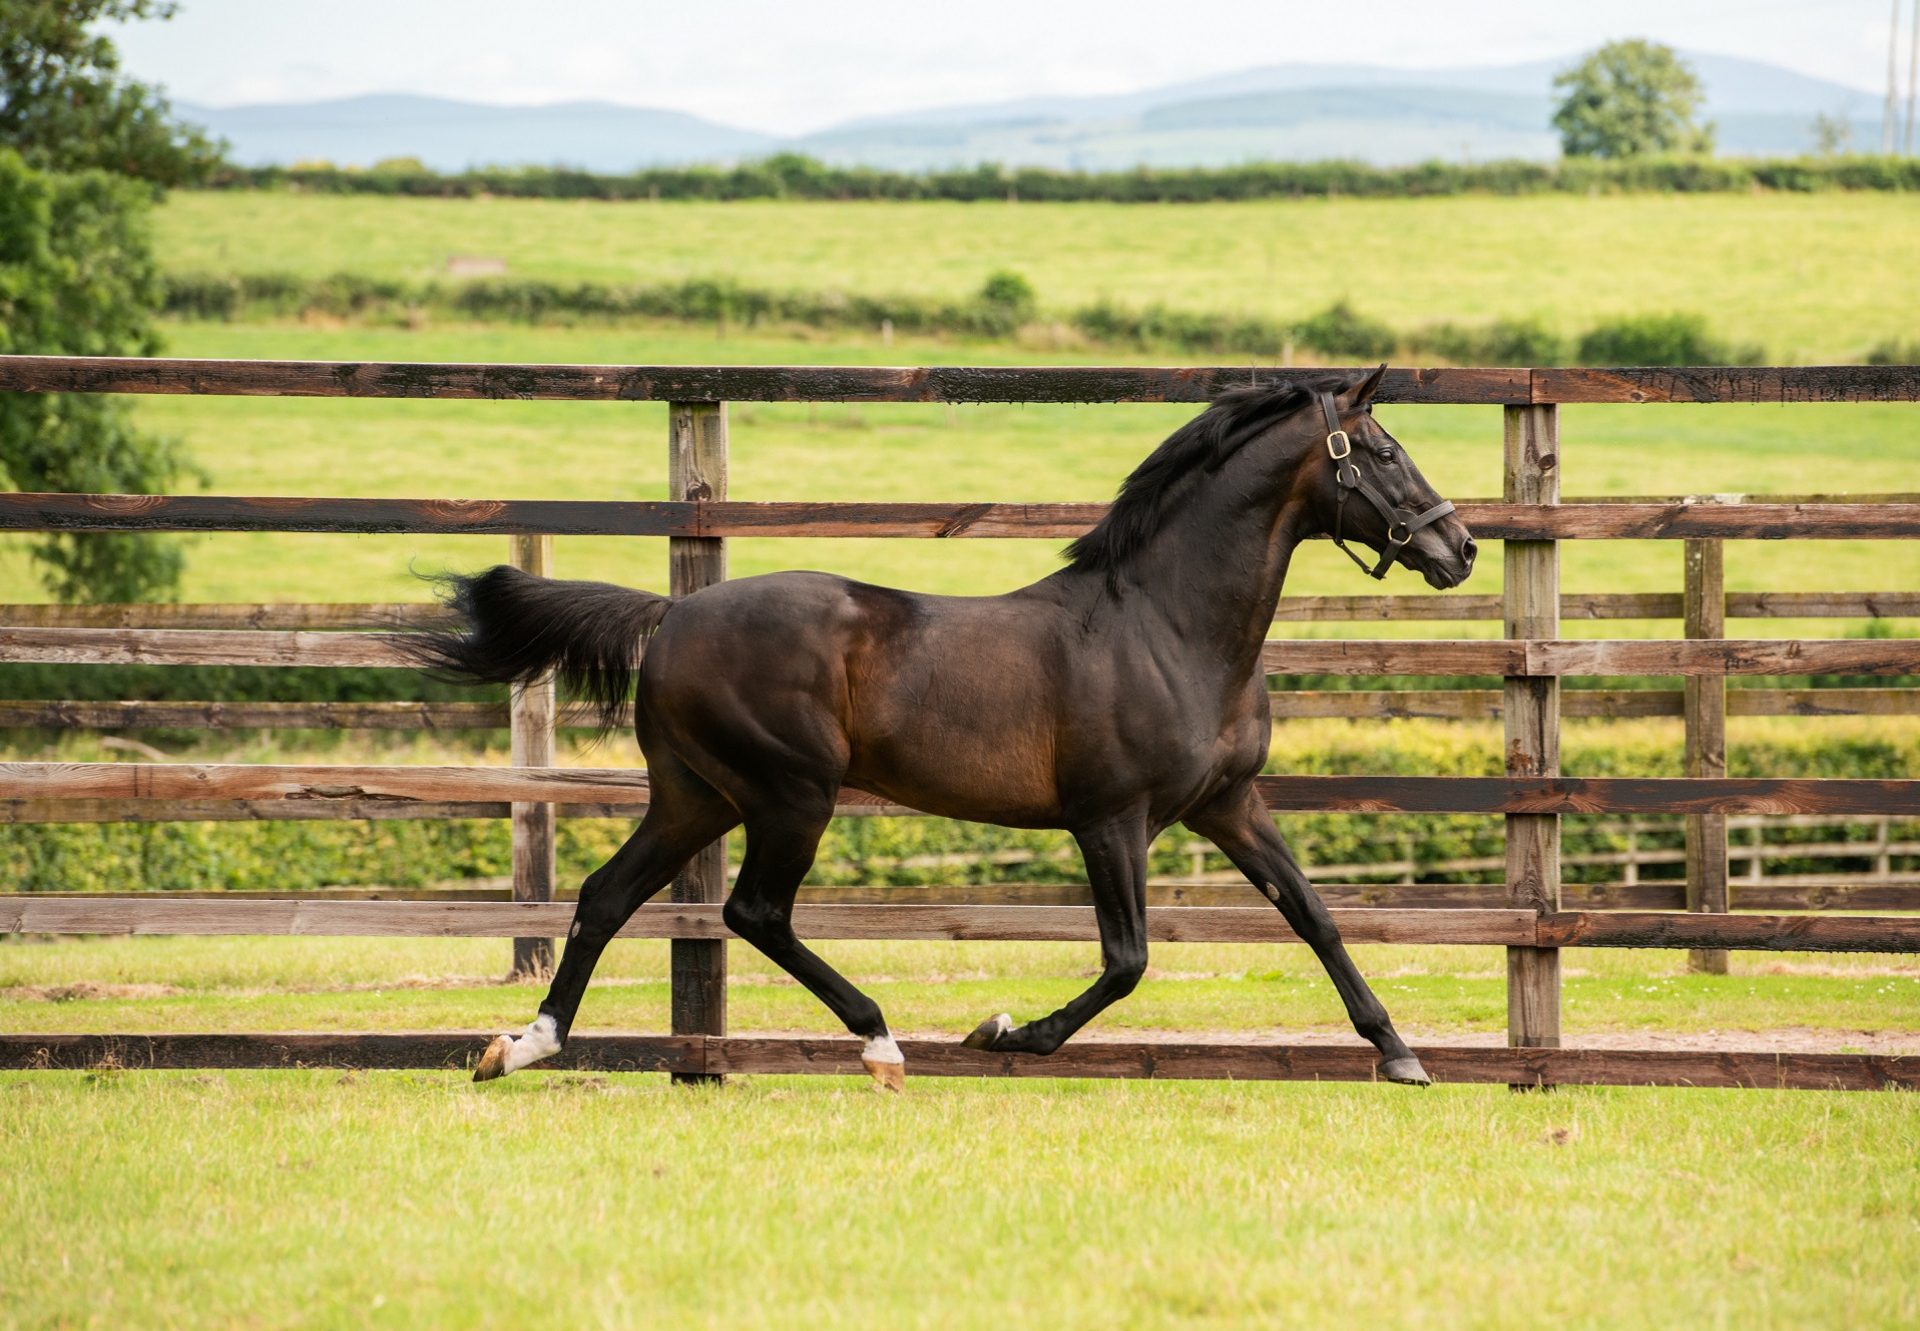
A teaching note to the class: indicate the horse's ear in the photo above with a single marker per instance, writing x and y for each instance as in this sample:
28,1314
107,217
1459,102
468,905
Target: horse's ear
1360,394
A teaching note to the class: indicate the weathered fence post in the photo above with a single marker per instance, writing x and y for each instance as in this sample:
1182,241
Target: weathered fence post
530,719
1706,709
697,469
1532,711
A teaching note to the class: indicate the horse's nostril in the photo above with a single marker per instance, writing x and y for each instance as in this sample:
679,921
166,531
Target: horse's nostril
1468,549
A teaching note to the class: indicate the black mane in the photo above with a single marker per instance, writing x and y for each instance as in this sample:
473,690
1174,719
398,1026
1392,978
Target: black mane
1148,496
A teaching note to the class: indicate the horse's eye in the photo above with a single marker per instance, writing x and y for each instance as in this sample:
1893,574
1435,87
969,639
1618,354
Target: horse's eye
1384,454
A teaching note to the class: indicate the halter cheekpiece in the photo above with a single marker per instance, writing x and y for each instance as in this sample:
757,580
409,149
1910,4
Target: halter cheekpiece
1401,523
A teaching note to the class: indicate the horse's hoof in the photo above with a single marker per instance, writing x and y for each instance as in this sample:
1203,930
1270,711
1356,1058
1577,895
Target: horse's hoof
1406,1071
988,1033
493,1063
886,1076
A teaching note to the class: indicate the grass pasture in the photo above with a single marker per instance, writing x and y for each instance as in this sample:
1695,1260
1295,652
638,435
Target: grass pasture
326,1199
317,1199
936,989
1811,278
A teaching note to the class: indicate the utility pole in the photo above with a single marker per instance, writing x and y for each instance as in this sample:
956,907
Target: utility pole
1891,110
1913,69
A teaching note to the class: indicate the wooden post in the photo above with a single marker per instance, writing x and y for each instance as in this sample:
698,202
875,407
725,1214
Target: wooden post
1532,718
530,718
1706,711
697,469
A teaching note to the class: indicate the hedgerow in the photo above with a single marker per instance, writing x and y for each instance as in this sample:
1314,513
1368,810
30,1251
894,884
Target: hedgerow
875,851
1004,305
791,176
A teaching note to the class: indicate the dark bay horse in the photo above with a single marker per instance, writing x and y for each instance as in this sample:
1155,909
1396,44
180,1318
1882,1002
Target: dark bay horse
1120,695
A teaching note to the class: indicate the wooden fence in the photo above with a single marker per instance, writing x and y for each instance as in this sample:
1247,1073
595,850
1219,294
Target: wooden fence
1531,921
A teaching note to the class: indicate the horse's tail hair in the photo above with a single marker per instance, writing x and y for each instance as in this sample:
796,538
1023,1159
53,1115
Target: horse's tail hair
511,627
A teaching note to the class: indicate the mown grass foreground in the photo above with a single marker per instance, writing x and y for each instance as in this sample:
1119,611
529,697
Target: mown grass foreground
323,1199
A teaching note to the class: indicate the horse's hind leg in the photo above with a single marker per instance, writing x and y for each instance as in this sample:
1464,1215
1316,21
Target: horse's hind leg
781,840
1241,826
1116,858
684,816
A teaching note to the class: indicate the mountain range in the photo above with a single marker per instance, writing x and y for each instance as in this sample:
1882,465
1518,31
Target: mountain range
1276,112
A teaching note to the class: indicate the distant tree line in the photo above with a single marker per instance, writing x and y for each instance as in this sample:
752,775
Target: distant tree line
790,176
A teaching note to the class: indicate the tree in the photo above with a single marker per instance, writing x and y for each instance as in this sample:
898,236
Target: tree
83,153
1627,99
65,106
77,278
1832,134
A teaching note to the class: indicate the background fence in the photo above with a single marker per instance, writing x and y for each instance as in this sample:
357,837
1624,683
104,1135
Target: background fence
1528,914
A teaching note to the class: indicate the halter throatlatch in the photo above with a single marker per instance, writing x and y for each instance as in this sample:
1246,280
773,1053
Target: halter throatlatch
1401,523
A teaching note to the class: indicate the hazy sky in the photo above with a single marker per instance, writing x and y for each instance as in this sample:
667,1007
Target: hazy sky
789,66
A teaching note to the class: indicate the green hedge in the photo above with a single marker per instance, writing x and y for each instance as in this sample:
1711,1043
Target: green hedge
292,856
1004,305
113,683
790,176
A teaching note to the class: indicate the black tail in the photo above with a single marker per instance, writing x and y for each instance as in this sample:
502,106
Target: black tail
513,627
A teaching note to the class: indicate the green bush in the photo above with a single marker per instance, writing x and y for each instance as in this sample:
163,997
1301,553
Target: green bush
1340,330
1008,289
1660,339
1523,342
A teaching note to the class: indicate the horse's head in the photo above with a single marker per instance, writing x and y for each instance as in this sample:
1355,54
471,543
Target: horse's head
1363,487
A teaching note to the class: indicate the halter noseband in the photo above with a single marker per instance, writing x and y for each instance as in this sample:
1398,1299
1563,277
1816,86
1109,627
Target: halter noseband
1401,523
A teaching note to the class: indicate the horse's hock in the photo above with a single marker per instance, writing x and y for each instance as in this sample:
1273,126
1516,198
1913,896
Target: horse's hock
1531,917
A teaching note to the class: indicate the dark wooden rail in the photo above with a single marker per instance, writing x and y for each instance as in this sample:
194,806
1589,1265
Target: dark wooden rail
1871,519
838,383
1285,656
1294,609
1495,927
303,783
690,1056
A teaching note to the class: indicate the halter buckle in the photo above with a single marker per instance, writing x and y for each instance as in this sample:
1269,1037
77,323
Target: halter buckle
1400,540
1345,445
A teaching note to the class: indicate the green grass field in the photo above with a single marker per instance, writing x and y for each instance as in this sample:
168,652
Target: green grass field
323,1199
188,984
316,1199
1809,277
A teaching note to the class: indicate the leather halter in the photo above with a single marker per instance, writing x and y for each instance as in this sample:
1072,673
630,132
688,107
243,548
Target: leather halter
1401,523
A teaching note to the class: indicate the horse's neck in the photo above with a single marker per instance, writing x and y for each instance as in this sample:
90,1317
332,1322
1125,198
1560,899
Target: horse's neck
1212,576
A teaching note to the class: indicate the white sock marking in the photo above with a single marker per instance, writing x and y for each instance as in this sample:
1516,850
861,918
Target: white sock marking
538,1041
882,1049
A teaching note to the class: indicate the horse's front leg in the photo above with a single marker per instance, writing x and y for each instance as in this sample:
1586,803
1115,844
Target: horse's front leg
1241,826
1116,858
